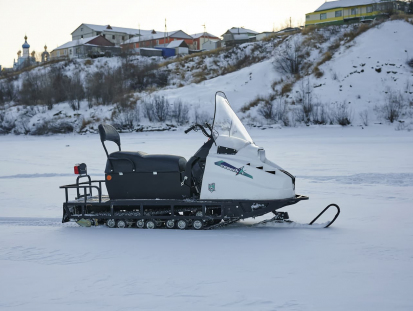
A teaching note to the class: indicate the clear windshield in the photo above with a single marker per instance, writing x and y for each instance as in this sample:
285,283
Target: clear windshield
226,122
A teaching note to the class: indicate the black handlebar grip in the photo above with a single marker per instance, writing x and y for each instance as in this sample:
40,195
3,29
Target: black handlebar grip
190,129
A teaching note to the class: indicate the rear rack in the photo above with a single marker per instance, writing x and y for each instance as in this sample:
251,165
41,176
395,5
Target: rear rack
84,185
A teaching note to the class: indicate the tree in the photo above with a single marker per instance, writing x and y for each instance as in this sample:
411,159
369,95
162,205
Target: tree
290,57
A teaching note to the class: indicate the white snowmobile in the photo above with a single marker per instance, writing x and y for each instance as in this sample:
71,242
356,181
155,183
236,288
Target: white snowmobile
228,179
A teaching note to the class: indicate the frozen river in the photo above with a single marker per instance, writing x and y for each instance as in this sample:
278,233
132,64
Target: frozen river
363,262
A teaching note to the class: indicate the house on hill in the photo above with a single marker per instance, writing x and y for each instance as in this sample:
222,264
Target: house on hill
155,38
86,47
201,38
114,34
212,45
238,35
346,11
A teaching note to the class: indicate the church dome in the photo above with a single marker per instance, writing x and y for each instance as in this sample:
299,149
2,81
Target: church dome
25,44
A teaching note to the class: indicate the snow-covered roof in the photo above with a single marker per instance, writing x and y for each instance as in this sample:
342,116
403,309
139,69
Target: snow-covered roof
175,44
201,34
347,3
75,43
235,30
130,31
157,35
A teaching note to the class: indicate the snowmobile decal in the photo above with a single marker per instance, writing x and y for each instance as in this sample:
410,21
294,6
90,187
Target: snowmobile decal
238,171
211,187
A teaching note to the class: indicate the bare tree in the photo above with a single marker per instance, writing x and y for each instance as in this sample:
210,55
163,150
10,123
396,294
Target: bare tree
305,98
161,108
393,106
266,110
180,112
364,116
290,57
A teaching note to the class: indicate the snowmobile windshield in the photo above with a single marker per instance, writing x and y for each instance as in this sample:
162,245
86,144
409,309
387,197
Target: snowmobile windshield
226,122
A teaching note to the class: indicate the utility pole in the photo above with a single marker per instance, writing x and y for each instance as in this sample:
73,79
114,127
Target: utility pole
164,35
203,36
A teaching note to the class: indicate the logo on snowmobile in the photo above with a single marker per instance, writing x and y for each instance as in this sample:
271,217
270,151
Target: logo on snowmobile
211,187
238,171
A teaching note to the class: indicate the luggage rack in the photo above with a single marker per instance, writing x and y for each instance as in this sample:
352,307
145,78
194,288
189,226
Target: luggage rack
86,197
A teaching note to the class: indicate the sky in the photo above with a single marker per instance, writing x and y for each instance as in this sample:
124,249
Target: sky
52,22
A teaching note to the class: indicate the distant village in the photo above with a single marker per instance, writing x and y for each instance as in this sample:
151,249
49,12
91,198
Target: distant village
92,41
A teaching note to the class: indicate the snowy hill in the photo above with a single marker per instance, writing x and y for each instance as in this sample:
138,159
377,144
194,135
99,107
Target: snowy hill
353,74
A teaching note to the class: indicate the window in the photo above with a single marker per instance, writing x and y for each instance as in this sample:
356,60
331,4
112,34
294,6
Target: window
104,36
123,38
354,11
323,16
307,17
113,37
81,29
70,51
81,36
65,52
339,13
369,9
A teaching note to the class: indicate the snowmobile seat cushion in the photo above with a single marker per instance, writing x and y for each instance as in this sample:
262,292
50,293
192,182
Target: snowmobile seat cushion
145,163
108,132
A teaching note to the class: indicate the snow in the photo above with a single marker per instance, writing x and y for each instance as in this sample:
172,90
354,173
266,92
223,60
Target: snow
75,43
363,262
130,31
203,34
355,65
235,30
175,44
240,87
345,3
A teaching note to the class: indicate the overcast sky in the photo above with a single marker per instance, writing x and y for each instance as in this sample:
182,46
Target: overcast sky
52,22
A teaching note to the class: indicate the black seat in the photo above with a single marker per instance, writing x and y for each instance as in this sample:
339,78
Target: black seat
137,161
141,162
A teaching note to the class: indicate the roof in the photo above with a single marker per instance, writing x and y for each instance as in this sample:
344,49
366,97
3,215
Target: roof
235,30
347,3
175,44
158,35
130,31
75,43
201,34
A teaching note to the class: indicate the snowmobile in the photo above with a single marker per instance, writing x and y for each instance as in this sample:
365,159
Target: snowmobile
228,179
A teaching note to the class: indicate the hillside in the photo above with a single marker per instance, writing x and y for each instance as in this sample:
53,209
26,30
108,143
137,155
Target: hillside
348,75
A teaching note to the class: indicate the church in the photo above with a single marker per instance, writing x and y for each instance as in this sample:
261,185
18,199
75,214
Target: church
25,60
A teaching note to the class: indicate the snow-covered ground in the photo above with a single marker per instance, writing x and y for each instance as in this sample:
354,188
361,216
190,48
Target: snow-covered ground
363,262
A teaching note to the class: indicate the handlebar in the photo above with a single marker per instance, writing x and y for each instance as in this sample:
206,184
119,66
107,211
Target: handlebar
190,129
193,127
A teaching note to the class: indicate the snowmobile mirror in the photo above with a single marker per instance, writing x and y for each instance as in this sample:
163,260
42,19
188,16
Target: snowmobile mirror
80,169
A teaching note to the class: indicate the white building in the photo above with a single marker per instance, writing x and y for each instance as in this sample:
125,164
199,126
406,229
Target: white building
114,34
212,45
